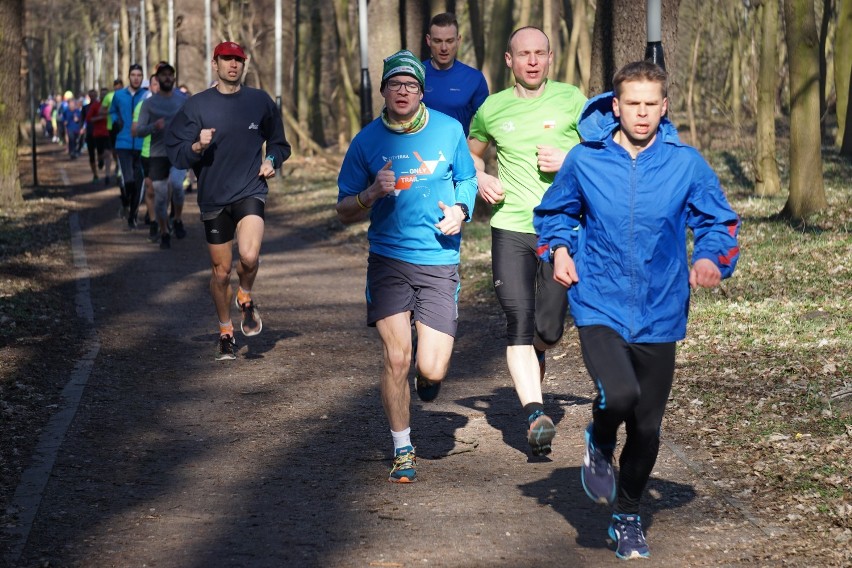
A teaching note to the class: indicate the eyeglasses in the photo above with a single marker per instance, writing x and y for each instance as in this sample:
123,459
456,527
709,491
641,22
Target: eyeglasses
395,86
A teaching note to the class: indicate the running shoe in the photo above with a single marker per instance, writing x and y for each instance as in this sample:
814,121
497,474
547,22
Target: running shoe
427,390
404,464
540,433
166,241
251,323
180,232
626,532
596,474
226,349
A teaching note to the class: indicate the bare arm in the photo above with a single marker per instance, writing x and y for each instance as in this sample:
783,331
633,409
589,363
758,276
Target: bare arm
489,187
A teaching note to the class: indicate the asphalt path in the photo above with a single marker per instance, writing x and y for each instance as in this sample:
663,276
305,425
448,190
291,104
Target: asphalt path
161,456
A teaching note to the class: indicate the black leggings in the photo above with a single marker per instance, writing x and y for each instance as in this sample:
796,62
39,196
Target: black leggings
534,303
633,382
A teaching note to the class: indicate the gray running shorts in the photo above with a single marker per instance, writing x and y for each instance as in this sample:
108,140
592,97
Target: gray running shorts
430,292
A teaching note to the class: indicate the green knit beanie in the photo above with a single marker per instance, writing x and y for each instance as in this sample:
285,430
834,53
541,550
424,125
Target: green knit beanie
404,63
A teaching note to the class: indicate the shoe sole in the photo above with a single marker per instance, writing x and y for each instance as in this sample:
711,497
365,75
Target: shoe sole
259,321
633,554
402,479
225,357
540,437
428,393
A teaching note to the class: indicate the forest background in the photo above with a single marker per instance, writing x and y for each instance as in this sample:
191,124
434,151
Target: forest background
742,71
760,87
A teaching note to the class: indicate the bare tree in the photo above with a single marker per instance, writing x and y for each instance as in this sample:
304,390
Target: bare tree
767,181
11,26
807,193
494,68
843,74
620,37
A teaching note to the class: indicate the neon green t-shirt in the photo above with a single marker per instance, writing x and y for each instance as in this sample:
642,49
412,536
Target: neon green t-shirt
146,142
516,126
105,104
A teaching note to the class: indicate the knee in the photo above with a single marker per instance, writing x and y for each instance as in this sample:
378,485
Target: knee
222,273
620,401
397,361
249,258
433,370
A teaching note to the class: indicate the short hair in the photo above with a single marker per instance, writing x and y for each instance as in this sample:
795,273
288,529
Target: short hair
640,71
514,33
444,20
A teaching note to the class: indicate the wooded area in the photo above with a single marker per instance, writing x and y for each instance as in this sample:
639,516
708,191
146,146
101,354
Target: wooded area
743,72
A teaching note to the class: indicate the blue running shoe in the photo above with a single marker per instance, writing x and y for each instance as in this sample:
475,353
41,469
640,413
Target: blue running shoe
541,433
404,464
596,474
626,532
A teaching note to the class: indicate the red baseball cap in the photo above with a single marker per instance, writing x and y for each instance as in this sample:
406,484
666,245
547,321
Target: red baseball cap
229,48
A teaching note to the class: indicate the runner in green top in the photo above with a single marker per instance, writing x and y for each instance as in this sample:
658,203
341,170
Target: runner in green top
533,125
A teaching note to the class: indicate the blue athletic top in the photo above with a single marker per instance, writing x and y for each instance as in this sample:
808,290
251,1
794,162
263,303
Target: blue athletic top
624,221
457,91
430,165
121,110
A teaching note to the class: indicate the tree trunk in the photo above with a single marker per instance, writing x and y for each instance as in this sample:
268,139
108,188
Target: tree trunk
315,108
11,110
385,39
807,194
690,97
846,144
767,181
843,71
524,13
620,37
827,13
347,53
494,69
477,32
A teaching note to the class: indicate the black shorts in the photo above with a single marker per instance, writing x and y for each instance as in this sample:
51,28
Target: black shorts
430,292
222,228
157,168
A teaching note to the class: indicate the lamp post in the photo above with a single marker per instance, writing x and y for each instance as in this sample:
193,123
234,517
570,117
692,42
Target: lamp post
366,88
30,45
115,27
143,37
654,47
131,12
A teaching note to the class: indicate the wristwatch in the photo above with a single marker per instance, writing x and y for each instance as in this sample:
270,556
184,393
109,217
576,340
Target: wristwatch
553,250
465,210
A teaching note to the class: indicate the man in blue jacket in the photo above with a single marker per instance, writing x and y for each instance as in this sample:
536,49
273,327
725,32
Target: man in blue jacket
410,172
613,223
127,147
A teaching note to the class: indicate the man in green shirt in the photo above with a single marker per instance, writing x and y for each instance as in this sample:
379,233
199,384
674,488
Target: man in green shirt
533,126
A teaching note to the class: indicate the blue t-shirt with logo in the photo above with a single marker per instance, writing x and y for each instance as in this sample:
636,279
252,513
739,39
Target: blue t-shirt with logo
457,91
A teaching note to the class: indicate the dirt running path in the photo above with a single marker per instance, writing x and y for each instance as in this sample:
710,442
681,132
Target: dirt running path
280,458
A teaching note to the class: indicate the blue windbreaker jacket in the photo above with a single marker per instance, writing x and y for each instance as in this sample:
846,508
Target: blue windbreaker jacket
624,222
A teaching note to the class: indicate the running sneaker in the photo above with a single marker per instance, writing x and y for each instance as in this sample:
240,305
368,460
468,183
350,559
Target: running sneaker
251,323
626,532
180,232
226,349
596,474
540,433
404,464
427,390
165,241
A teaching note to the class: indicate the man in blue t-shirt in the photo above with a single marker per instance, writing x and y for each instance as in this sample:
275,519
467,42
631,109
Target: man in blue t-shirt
452,87
408,171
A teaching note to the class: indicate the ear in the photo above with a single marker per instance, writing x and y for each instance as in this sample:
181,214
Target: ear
615,109
508,57
665,106
429,40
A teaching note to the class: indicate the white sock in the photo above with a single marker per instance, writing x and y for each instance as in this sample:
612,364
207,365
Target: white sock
401,439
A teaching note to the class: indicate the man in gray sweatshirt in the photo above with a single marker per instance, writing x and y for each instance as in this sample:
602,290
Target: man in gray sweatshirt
155,115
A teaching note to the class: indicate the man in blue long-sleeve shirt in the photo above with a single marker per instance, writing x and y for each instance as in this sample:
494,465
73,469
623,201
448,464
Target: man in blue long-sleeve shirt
220,134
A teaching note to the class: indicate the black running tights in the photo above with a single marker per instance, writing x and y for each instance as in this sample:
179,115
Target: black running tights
633,382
